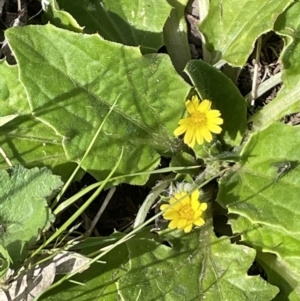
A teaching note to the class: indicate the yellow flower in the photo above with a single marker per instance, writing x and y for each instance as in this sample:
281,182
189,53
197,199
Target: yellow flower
184,211
202,121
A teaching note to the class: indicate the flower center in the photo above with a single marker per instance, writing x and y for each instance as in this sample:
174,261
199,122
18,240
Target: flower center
199,118
186,212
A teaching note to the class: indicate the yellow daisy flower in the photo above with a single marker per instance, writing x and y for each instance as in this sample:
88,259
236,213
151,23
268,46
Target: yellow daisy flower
184,211
202,121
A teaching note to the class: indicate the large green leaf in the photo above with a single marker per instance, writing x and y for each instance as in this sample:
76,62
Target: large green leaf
25,139
78,82
129,22
287,100
176,36
265,209
24,209
194,266
231,27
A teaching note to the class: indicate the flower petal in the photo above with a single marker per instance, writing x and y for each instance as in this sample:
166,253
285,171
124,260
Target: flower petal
164,207
204,106
199,137
195,195
189,138
185,121
214,128
181,223
177,197
173,199
191,107
199,221
180,195
213,114
173,224
198,213
180,130
176,201
217,120
195,101
177,206
203,206
195,204
188,228
206,134
185,201
170,215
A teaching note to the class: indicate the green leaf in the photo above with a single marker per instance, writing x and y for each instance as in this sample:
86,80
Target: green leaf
5,261
213,85
287,100
12,94
60,18
130,22
264,209
7,118
30,142
24,211
185,267
25,139
185,160
77,85
231,27
280,276
176,37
